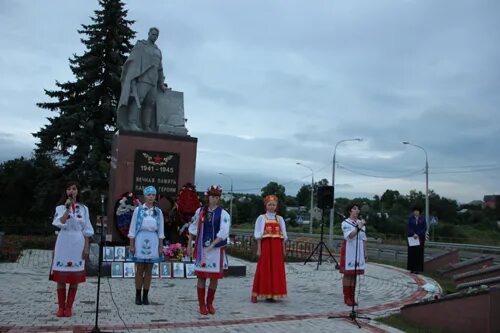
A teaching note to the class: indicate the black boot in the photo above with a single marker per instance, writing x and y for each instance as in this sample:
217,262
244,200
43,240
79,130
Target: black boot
138,300
145,300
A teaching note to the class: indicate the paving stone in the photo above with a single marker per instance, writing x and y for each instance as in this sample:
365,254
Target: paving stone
28,301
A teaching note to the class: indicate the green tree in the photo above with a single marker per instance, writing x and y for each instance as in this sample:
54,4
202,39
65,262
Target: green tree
79,136
17,181
304,194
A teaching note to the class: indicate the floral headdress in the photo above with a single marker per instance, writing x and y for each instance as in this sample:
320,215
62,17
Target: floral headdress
214,190
270,198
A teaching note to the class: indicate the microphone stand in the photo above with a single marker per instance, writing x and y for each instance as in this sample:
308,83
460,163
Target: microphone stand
320,247
96,328
353,315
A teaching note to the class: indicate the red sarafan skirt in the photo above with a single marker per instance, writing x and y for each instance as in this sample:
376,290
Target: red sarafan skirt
214,275
342,263
67,277
270,278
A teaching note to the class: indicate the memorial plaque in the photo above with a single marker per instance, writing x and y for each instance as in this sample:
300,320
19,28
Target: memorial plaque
160,169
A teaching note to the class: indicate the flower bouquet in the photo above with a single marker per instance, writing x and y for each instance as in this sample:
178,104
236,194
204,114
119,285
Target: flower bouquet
174,252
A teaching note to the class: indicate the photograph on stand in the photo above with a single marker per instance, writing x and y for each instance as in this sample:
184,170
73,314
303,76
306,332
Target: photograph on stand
166,270
155,273
178,269
119,253
128,270
109,253
117,269
190,273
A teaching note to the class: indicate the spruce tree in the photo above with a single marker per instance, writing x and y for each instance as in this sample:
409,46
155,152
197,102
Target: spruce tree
79,136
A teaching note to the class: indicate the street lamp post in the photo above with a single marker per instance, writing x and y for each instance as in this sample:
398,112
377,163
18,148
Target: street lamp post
312,196
232,194
426,184
332,211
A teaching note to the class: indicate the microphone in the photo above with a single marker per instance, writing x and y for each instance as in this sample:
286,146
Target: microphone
340,214
68,204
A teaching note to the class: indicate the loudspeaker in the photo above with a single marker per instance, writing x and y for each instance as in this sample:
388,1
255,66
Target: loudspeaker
325,197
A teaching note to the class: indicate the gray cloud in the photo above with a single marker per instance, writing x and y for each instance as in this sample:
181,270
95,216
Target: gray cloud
267,84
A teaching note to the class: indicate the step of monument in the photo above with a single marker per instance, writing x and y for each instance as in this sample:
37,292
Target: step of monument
467,265
490,282
473,311
441,260
479,274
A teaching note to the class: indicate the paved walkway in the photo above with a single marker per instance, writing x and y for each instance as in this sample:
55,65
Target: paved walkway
28,301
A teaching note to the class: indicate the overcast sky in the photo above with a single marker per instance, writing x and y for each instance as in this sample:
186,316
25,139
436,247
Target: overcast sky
268,84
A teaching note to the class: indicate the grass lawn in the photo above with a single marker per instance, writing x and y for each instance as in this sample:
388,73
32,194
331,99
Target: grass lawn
397,322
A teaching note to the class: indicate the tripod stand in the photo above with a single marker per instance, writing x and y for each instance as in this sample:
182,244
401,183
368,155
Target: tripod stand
353,315
319,247
96,328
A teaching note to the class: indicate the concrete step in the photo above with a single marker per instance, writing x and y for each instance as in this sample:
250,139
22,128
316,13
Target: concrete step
479,274
467,266
441,260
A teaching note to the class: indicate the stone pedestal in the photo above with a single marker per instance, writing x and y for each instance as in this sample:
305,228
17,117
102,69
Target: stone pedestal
140,159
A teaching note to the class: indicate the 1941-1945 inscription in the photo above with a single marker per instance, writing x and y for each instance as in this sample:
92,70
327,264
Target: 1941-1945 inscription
160,169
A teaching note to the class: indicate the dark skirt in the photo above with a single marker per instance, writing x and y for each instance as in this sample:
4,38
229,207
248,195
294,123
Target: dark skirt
415,261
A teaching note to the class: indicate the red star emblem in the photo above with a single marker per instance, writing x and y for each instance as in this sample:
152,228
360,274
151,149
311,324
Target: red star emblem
157,159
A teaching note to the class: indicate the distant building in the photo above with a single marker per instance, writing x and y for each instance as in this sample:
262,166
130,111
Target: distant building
491,201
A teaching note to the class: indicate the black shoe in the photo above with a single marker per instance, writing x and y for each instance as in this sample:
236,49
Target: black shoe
138,300
145,300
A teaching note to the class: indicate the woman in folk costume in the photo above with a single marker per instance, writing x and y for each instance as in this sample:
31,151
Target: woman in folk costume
146,236
354,232
72,247
270,232
210,225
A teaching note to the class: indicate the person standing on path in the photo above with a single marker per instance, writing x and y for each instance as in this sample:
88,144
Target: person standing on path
354,231
72,247
146,236
270,232
210,225
416,228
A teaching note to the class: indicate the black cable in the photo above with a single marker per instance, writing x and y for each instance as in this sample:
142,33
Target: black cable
116,306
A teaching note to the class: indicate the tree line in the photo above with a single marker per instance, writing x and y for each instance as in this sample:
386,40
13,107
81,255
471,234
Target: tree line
76,144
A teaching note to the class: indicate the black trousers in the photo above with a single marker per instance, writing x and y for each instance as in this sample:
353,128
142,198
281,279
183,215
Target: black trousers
415,261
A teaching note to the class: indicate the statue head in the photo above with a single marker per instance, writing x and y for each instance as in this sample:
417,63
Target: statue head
153,34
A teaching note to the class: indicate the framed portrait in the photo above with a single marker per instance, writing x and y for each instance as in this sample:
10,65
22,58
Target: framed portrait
156,270
128,269
166,270
109,253
190,273
117,269
127,251
119,253
178,270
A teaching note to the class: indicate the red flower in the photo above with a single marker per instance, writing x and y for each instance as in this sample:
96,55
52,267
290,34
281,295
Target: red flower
77,206
69,264
203,265
79,216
